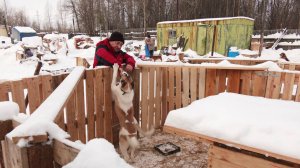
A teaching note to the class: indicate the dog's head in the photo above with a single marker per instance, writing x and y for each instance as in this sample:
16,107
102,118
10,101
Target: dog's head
126,81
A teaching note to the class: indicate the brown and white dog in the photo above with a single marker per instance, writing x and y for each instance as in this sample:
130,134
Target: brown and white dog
123,95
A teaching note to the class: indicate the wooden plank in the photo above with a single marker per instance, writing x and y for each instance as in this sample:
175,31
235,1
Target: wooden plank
211,140
217,163
60,119
99,102
178,84
71,124
210,85
171,89
193,84
4,89
18,94
6,155
62,153
273,85
31,139
238,159
17,156
245,87
288,86
233,83
259,83
40,154
221,80
108,134
144,105
6,127
136,99
34,94
80,111
202,81
297,97
90,103
292,67
158,98
46,86
151,97
164,95
185,99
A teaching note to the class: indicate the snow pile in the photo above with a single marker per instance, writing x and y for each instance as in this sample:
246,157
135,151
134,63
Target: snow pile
33,41
8,110
5,42
267,124
98,153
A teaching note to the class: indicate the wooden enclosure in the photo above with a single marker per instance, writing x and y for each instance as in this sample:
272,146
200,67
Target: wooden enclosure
158,90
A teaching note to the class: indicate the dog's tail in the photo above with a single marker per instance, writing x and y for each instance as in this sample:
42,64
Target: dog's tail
148,133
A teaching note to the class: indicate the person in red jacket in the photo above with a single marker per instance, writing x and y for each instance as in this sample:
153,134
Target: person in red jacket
108,52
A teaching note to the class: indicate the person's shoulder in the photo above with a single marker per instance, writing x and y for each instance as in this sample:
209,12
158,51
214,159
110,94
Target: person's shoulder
102,42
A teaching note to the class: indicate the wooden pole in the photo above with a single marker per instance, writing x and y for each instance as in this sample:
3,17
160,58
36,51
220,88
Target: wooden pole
36,72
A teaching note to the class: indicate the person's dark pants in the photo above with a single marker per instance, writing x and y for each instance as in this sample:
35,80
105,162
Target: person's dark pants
151,53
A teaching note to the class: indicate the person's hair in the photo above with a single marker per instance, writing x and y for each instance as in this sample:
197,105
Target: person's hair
148,35
116,36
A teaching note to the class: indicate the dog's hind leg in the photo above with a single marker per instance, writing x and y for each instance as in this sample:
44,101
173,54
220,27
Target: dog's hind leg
132,150
123,145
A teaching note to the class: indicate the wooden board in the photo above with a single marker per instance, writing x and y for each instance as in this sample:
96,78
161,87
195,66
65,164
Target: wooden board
211,140
80,111
18,94
90,103
226,157
62,153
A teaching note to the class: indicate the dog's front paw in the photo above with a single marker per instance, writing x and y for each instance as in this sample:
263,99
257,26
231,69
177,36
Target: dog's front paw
115,66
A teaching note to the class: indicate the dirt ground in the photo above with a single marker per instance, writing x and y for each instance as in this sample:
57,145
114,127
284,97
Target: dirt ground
193,154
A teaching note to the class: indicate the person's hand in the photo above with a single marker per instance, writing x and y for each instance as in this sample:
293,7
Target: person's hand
129,68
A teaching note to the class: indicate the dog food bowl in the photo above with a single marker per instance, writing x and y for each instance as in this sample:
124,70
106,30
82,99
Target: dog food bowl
167,148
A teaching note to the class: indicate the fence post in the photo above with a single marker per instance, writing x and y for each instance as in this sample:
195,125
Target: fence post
35,156
6,127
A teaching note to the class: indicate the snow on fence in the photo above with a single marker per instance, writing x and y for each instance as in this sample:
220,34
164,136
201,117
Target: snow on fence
88,112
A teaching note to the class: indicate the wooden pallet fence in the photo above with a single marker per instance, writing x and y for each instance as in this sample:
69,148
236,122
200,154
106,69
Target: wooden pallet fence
233,61
289,65
283,85
38,89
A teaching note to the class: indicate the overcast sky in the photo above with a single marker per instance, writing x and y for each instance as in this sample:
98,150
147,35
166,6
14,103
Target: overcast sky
33,6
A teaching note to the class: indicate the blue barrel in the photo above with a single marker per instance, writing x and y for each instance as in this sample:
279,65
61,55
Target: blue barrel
233,53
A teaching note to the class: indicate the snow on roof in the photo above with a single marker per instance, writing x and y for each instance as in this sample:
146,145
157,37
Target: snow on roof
53,36
33,41
205,19
267,124
8,110
24,29
98,153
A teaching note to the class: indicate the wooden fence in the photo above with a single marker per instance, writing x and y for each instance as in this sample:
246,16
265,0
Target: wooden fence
166,88
233,61
158,90
90,105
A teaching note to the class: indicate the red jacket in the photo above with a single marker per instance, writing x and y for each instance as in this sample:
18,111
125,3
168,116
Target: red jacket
105,55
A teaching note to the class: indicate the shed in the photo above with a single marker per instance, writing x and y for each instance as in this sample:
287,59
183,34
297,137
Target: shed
18,32
206,35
